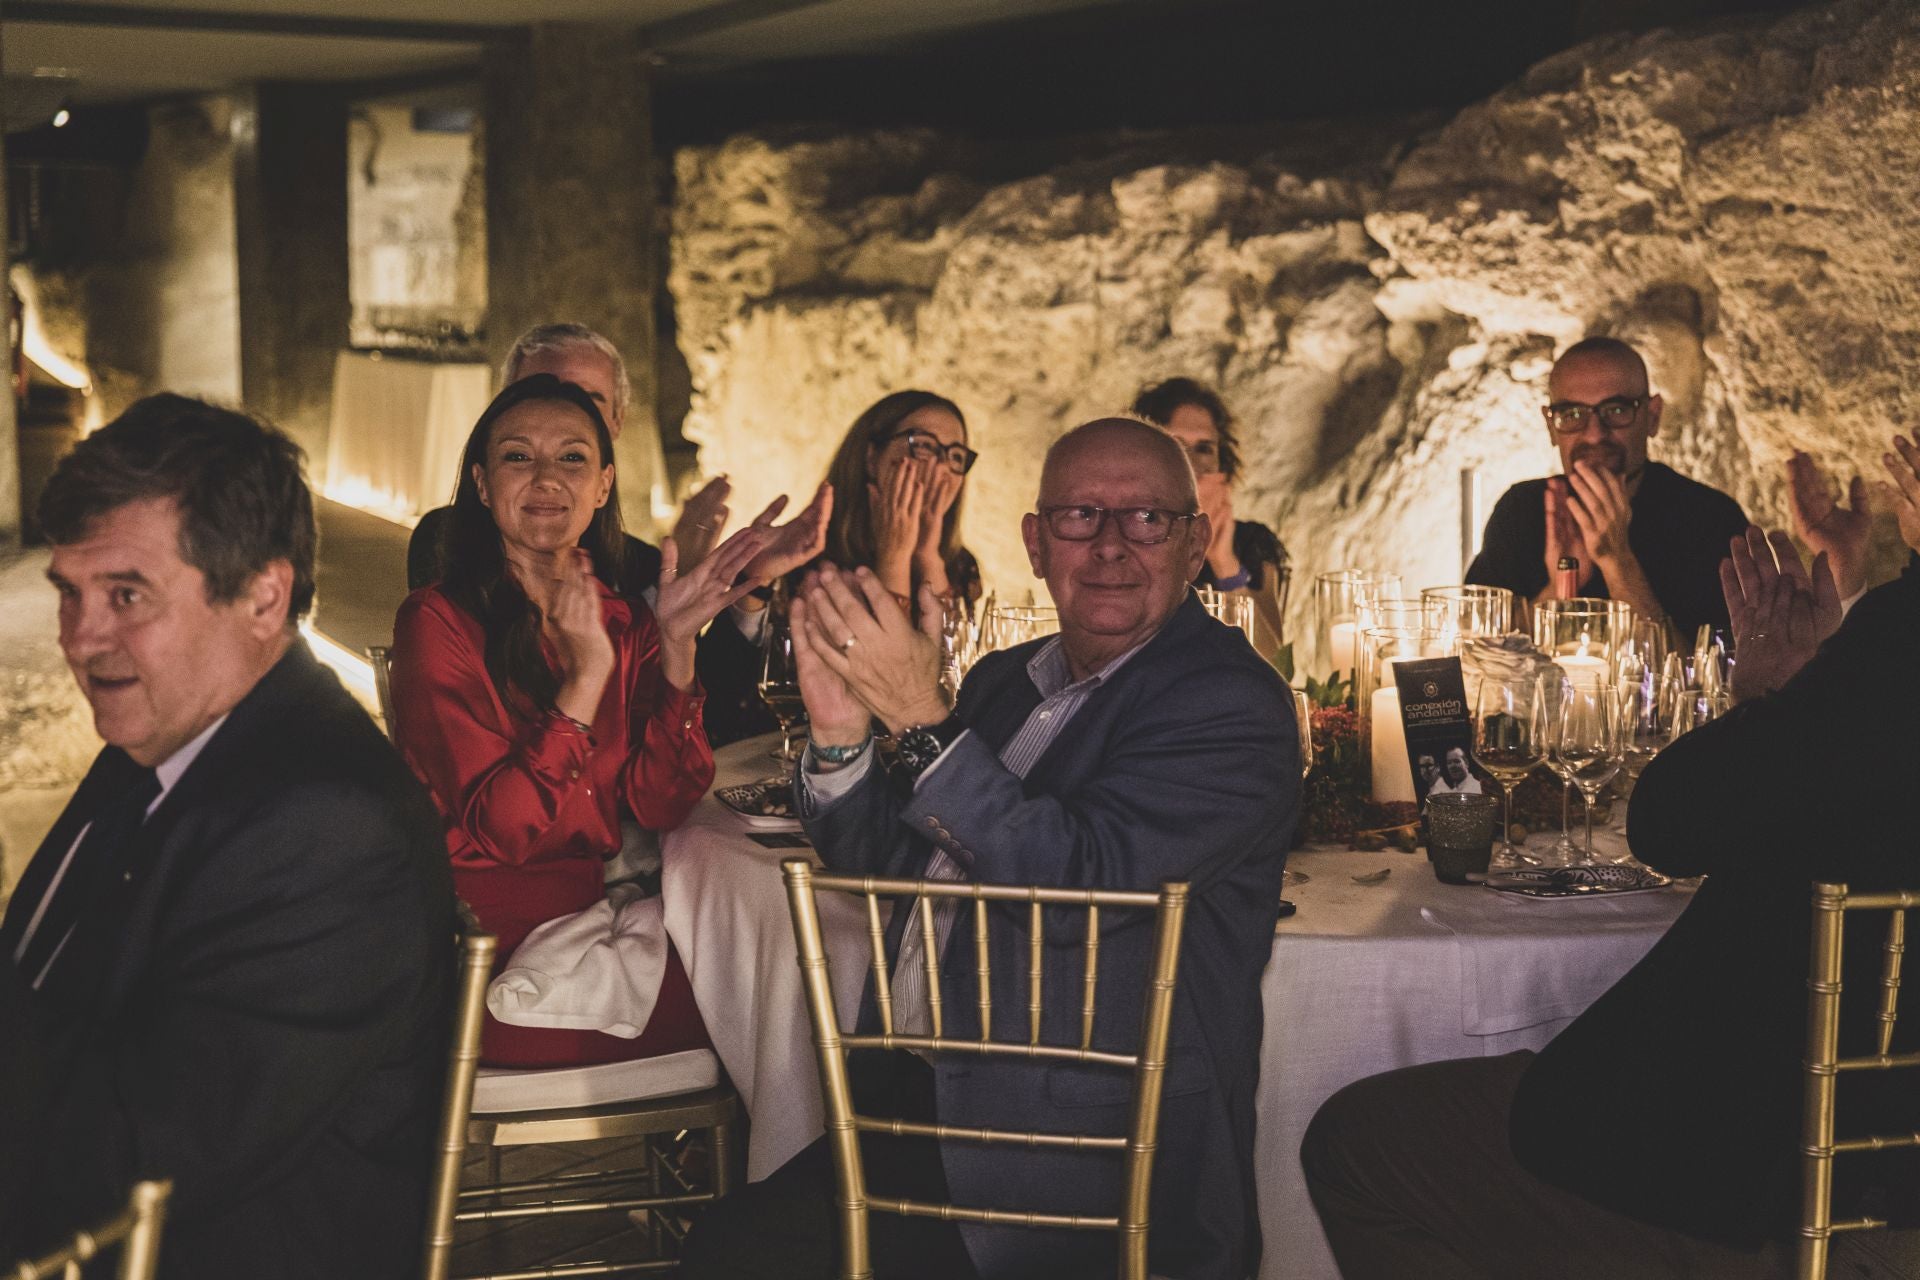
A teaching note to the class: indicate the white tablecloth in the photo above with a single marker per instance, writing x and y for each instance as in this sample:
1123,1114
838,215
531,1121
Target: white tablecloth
1365,978
397,430
726,909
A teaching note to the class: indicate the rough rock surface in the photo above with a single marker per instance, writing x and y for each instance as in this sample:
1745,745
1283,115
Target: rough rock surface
1741,201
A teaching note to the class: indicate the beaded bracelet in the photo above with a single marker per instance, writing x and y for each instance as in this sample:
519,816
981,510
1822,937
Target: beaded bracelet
839,755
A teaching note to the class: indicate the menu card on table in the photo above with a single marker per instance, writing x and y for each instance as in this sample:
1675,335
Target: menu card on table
1438,725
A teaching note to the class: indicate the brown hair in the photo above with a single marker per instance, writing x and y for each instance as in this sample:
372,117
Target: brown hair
850,541
1158,402
237,483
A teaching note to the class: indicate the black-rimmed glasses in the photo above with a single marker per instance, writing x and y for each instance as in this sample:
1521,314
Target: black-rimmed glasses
923,447
1570,417
1147,526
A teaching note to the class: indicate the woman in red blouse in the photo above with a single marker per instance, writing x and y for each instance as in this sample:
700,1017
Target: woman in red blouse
537,705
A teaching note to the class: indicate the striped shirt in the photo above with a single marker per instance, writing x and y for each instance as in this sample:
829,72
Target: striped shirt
1061,697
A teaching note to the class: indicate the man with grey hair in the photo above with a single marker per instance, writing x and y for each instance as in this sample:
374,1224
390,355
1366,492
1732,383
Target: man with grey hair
729,655
1146,742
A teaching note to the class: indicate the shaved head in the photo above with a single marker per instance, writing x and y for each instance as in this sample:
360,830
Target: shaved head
1157,452
1610,353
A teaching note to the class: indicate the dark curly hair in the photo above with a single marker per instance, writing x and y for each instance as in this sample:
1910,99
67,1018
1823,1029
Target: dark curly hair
1157,404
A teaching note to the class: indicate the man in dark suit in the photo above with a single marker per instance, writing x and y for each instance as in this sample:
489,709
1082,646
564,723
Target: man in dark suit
1145,743
237,939
1659,1135
729,657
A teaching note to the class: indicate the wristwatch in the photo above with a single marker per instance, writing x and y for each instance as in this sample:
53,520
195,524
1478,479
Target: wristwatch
919,747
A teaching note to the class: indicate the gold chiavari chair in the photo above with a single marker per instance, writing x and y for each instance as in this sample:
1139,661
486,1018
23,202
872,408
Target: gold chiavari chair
1148,1064
671,1111
136,1229
1824,1065
380,656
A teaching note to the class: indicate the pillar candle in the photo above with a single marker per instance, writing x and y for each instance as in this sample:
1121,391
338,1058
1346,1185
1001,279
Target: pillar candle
1341,641
1392,775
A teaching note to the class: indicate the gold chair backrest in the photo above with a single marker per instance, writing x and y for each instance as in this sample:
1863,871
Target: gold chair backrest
476,949
1824,1064
136,1229
381,658
1148,1063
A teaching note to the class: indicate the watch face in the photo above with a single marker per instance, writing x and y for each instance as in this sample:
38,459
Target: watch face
919,749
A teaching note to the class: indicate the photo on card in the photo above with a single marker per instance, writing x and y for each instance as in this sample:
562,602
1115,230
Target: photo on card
1439,727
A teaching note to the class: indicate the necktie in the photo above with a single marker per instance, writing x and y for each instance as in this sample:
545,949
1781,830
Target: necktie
96,863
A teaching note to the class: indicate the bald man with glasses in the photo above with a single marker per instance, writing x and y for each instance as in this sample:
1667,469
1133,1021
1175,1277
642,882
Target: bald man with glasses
1641,531
1146,742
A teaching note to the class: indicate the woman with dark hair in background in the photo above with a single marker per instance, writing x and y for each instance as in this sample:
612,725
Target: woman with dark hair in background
897,478
1245,556
538,705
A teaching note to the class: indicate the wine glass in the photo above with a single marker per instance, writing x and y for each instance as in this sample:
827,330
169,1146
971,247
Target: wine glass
1588,746
1509,739
1646,721
1303,718
780,683
1563,852
1692,707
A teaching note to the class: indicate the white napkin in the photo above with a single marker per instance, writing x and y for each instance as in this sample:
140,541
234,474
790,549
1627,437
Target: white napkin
595,970
1525,961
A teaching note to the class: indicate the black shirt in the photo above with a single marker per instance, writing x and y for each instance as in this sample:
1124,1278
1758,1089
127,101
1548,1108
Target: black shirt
1676,1097
1679,533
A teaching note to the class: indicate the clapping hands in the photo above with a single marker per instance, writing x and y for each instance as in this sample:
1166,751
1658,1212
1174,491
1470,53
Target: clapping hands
861,658
1781,610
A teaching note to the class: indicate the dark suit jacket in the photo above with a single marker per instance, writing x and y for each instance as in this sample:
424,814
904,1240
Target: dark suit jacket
1679,533
1676,1097
727,663
1183,766
267,1017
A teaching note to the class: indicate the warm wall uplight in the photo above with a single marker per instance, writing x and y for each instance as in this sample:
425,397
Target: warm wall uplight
355,672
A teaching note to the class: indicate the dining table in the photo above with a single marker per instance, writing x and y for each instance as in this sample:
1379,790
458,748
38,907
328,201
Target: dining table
1379,966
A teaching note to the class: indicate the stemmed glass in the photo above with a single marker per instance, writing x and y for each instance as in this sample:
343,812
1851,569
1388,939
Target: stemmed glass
1509,739
1646,721
780,683
1303,718
1588,746
1563,852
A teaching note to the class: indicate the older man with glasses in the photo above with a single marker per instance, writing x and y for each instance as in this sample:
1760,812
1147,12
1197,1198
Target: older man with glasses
1640,531
1146,742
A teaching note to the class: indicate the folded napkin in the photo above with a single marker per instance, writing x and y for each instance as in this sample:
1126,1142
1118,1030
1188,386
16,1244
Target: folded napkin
1525,961
595,970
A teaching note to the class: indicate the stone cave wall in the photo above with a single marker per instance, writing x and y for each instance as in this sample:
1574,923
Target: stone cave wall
1378,303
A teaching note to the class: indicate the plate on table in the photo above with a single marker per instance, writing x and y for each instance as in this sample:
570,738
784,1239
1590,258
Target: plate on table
766,803
1577,882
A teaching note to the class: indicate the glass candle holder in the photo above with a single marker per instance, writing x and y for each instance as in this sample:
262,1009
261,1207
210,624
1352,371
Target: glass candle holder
1234,610
1583,636
1337,600
1383,735
1007,625
1469,611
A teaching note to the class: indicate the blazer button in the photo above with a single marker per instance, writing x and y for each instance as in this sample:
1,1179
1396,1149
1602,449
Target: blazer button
933,823
944,834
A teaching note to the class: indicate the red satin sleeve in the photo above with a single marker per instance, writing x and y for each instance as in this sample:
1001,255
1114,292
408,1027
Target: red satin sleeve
670,764
515,792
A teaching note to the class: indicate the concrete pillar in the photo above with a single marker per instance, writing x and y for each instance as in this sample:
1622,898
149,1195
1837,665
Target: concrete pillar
290,195
572,232
9,419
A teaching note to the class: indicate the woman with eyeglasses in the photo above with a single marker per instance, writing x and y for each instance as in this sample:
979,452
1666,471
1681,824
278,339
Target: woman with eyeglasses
897,479
1245,557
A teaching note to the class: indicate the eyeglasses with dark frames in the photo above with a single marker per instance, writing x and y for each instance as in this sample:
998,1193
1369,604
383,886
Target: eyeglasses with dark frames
1146,526
924,447
1570,417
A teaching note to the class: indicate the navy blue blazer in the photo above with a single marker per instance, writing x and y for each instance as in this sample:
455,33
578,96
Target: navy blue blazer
1183,766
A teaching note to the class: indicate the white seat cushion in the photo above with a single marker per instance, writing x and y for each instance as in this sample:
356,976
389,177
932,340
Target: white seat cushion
554,1089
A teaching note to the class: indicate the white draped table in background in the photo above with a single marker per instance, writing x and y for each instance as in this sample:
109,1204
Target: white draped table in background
1365,978
398,426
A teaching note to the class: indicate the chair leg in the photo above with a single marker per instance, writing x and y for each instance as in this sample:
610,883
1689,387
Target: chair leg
721,1153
